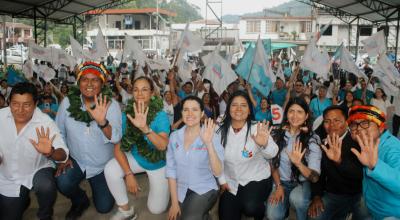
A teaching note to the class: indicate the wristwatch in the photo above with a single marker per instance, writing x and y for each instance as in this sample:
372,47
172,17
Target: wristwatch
103,126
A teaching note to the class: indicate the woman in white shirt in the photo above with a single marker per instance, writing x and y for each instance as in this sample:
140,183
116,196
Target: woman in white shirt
380,100
246,181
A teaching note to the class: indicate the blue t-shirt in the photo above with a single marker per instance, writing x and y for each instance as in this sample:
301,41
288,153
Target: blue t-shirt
261,116
318,107
279,97
53,108
158,125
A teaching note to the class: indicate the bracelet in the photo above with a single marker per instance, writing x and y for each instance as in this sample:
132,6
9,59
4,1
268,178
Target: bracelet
148,131
103,126
128,173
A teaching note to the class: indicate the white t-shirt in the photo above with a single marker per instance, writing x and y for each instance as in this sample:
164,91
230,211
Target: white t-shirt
381,104
125,96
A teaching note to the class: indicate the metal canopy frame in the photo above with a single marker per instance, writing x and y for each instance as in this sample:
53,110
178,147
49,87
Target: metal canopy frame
67,12
375,11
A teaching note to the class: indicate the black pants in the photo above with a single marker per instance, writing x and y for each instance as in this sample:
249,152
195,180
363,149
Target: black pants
249,200
396,124
196,207
44,186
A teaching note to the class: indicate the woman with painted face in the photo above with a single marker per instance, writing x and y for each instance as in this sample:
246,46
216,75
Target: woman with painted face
296,164
246,181
194,159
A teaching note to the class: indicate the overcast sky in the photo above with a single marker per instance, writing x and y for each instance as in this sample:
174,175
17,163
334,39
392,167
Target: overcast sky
237,7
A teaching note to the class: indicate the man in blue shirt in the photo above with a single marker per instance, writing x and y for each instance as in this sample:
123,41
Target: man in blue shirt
90,139
279,94
380,156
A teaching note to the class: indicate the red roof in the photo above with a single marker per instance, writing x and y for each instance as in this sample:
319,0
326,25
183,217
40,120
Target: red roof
132,11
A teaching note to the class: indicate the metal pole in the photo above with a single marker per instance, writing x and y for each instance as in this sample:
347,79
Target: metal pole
74,27
4,41
45,32
358,36
349,36
397,34
35,24
386,36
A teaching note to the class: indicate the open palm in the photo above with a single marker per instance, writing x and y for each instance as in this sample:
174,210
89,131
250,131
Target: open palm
296,154
334,152
368,156
208,131
44,143
263,132
140,119
100,109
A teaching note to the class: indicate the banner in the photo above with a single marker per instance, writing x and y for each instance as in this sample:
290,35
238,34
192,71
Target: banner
277,114
375,44
189,41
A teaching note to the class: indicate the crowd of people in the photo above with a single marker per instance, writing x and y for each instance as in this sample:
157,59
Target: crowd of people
334,155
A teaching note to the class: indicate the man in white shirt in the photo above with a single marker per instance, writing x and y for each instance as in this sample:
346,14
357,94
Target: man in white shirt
29,143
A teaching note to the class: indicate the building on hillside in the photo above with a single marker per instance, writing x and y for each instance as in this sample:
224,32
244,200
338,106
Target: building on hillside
150,27
17,33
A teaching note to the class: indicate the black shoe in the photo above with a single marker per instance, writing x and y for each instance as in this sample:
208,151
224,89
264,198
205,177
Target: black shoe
77,210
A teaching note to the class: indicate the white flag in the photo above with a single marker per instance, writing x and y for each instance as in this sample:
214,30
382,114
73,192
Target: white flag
292,55
133,50
316,61
207,57
260,58
280,74
27,69
77,50
158,64
219,72
386,69
47,73
61,57
184,68
347,63
375,44
99,48
38,52
189,41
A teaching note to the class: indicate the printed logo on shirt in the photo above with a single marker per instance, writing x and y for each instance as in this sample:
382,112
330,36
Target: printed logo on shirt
246,153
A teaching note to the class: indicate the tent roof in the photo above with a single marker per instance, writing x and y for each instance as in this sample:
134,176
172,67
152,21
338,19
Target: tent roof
376,11
54,10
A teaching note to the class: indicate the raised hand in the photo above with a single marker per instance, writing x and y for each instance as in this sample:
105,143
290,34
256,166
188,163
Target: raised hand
207,133
140,120
100,109
334,152
44,143
263,132
296,154
368,156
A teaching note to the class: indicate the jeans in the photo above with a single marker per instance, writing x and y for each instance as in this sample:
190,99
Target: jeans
68,184
296,195
44,186
340,206
249,200
196,207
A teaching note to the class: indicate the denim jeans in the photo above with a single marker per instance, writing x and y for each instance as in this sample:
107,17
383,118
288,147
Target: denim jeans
68,184
296,195
44,186
340,206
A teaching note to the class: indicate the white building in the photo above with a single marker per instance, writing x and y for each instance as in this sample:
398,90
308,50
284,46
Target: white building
148,25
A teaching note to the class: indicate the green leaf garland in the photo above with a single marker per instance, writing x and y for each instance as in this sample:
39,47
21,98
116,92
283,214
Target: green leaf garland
134,136
74,97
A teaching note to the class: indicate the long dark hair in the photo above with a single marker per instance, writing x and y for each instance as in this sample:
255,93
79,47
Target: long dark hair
305,136
227,121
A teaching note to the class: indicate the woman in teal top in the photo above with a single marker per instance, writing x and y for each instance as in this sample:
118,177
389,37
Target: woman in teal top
263,111
142,149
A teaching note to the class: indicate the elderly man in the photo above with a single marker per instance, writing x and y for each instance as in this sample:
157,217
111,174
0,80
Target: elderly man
380,156
29,143
90,122
338,191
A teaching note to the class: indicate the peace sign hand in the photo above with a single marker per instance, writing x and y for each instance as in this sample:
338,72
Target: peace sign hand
207,133
100,110
368,156
140,120
44,143
296,154
263,132
334,152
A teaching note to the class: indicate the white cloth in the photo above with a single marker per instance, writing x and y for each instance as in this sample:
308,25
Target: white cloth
239,169
125,96
6,92
21,160
169,109
158,191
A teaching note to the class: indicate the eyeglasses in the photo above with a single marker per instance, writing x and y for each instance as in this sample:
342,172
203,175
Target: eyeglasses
363,125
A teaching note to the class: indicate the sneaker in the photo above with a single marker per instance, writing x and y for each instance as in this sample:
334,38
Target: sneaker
77,210
124,215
